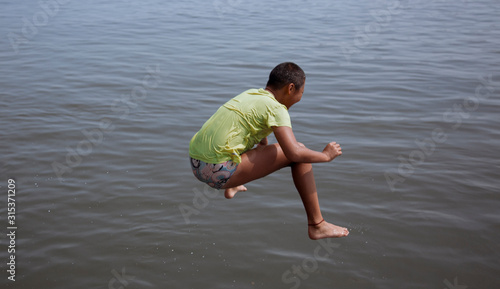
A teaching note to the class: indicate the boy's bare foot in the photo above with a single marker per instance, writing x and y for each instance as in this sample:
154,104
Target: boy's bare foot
229,193
326,230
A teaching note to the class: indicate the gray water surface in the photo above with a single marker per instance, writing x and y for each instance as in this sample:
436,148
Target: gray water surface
99,100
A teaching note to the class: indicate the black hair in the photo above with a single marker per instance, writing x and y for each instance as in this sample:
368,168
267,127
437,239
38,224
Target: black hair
286,73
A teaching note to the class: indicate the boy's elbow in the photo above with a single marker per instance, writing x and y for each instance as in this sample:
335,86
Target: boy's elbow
293,159
293,155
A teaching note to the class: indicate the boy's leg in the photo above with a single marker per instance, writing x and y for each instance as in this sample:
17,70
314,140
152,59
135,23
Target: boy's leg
262,161
257,163
303,178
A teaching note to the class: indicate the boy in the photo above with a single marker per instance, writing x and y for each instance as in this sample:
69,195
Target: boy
222,153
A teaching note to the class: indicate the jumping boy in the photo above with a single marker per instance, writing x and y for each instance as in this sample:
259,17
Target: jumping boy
223,156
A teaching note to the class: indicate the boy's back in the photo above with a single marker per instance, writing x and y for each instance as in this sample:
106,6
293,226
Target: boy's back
237,126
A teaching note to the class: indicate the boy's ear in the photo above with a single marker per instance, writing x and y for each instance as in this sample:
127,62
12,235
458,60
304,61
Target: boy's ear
291,88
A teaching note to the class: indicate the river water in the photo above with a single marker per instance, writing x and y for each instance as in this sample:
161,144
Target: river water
99,100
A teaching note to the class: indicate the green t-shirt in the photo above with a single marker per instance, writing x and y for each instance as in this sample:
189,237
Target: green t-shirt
237,126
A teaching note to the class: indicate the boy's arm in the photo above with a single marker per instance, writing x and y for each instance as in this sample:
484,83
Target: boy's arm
298,153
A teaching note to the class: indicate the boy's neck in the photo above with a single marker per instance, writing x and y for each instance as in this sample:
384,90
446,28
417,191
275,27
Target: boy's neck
271,91
280,95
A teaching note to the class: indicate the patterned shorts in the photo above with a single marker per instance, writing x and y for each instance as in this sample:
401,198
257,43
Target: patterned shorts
214,175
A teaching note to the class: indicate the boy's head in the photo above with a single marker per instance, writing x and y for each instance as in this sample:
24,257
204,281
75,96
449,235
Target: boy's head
284,74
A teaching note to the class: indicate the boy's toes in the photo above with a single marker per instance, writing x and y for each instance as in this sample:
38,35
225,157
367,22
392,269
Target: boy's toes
327,230
229,193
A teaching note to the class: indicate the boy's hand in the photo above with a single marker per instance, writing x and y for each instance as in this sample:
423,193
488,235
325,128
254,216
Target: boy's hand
263,142
332,150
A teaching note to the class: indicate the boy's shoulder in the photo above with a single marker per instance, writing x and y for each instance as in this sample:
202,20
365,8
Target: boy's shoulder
259,94
255,91
255,98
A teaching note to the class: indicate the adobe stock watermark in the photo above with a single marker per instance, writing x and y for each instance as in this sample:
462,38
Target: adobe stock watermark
364,36
453,285
223,7
302,271
454,116
200,201
47,9
449,11
119,281
93,137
